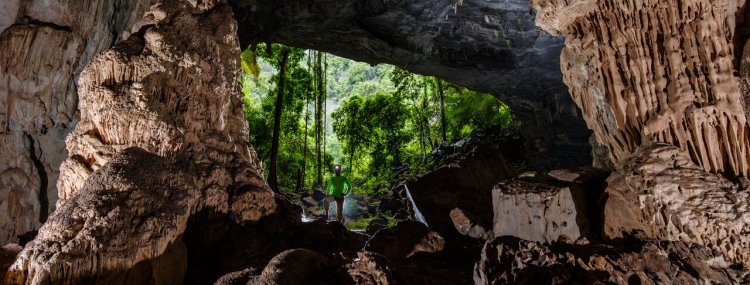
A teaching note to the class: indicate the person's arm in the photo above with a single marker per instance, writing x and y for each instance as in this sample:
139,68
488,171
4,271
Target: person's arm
347,187
329,188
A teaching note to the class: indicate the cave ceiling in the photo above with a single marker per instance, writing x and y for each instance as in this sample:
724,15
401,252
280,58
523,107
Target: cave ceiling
493,47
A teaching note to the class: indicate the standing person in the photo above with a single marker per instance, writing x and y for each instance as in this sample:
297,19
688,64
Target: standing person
338,187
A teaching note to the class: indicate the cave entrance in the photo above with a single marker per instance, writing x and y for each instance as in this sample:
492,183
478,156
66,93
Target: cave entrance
383,124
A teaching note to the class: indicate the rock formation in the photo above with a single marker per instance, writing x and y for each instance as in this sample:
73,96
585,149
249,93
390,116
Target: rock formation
404,240
655,71
170,89
45,45
302,266
468,224
8,254
466,184
540,211
660,193
508,260
171,82
543,209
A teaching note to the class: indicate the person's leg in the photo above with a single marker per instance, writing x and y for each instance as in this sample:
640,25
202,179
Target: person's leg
326,206
340,209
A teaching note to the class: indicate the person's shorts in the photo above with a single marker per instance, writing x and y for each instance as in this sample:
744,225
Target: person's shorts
330,199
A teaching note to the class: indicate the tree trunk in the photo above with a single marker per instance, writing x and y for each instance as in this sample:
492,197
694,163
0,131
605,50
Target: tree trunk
303,169
319,118
442,106
272,176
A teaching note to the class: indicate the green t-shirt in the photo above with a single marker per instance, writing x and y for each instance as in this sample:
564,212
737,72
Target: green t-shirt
338,185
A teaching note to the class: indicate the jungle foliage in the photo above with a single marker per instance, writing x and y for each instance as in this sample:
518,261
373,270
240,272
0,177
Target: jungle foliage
369,119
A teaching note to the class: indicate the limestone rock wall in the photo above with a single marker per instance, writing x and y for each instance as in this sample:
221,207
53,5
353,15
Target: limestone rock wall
660,193
174,79
655,71
44,45
159,149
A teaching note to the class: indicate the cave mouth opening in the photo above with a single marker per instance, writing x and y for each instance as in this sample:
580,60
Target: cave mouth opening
382,123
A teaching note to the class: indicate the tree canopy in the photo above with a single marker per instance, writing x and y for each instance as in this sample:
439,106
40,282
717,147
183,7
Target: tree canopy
367,118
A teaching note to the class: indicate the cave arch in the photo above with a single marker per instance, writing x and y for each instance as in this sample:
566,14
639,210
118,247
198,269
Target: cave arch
490,47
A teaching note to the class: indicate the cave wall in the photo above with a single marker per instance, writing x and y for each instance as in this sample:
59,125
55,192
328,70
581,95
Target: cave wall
45,44
160,148
489,46
655,71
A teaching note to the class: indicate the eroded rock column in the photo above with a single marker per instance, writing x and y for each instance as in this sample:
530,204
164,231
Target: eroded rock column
655,71
159,153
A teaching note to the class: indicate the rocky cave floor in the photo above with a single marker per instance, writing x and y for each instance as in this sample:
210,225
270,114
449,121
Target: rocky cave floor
487,226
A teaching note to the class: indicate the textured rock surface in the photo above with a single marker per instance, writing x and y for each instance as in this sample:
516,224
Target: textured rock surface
170,88
171,82
45,44
303,266
466,184
293,267
660,193
655,71
488,46
541,210
508,260
404,240
8,254
467,224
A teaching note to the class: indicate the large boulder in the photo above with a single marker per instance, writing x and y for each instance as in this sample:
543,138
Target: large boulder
509,260
303,266
404,240
543,209
328,236
660,193
465,184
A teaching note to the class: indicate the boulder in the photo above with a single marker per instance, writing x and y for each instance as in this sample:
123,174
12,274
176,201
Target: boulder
542,209
375,225
510,260
660,193
328,236
292,267
466,184
303,266
404,239
370,269
467,224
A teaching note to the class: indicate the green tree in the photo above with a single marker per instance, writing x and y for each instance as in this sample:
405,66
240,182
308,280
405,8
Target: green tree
353,127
